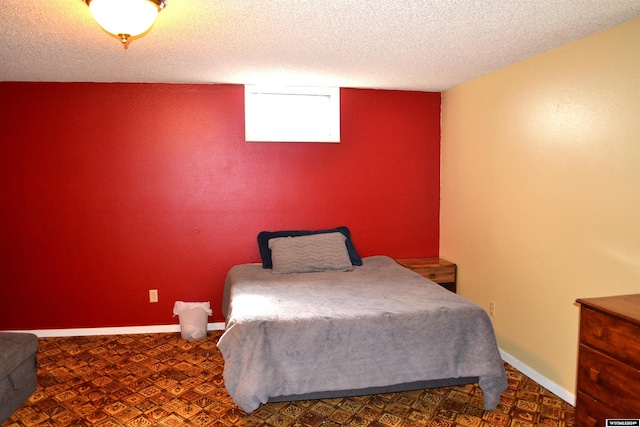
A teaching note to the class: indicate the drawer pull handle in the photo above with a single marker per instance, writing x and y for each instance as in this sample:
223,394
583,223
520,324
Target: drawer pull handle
432,275
592,422
594,374
598,332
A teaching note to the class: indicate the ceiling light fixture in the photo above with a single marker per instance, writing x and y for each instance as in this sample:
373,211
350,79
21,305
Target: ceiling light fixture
125,18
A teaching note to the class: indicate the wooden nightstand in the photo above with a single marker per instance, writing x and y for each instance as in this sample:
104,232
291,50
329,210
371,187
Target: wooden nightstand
437,270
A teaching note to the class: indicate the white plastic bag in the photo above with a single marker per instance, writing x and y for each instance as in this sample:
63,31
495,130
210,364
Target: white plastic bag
193,319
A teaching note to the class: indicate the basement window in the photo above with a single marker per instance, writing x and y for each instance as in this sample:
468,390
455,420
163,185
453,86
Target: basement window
292,114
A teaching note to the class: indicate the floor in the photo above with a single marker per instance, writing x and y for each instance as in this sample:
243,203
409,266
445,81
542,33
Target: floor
162,380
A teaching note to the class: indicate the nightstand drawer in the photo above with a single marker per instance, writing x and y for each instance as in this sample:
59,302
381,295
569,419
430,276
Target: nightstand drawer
612,336
438,275
603,377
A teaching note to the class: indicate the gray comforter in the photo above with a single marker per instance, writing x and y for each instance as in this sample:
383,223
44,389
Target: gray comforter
379,325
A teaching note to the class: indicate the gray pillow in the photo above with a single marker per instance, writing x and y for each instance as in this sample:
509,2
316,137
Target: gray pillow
306,254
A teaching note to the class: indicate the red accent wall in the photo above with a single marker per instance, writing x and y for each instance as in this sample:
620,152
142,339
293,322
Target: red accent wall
109,190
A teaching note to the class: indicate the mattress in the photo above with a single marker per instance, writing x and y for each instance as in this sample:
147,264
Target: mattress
330,333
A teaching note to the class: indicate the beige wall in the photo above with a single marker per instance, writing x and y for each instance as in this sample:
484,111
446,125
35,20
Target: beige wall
541,192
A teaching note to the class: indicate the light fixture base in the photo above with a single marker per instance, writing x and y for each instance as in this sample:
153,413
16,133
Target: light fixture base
124,38
160,3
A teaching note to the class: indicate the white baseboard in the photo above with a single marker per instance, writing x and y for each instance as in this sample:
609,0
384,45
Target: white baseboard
554,388
123,330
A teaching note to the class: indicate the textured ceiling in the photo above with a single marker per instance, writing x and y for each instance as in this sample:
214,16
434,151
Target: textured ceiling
428,45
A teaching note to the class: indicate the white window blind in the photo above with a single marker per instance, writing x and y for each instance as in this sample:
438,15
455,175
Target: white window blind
292,114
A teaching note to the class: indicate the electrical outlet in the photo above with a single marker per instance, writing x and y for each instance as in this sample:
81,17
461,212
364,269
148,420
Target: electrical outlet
153,295
492,308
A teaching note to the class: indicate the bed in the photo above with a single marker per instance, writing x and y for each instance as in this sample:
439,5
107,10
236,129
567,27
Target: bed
373,327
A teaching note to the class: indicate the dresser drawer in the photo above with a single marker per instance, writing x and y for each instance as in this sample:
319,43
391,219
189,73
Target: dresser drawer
590,412
609,381
438,275
610,335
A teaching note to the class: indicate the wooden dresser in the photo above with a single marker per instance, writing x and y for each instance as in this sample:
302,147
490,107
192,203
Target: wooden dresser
608,360
437,270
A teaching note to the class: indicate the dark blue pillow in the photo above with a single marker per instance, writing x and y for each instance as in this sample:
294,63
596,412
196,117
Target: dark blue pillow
265,252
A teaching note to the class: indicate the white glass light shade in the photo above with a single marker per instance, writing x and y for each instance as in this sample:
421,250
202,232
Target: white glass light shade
124,18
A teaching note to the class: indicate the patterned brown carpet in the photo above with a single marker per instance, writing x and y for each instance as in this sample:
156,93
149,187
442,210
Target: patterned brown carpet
162,380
